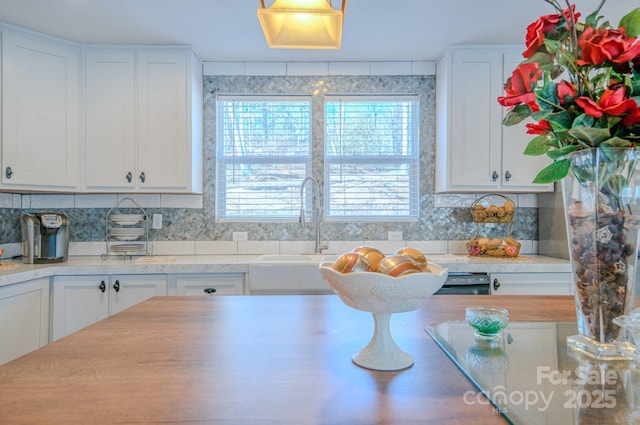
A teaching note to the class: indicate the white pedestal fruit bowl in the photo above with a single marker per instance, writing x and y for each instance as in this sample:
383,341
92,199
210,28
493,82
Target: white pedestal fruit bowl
383,295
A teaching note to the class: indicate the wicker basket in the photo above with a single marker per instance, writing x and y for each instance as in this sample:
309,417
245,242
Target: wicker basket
484,213
496,247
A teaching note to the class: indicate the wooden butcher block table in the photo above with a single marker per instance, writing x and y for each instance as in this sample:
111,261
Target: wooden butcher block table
251,360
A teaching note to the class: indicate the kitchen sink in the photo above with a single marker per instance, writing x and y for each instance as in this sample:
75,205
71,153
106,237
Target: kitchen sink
288,274
317,258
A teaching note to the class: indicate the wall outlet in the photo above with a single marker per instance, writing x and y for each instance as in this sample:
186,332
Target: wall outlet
157,221
240,236
395,235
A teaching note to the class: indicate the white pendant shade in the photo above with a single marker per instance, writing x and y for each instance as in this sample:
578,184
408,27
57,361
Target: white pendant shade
302,24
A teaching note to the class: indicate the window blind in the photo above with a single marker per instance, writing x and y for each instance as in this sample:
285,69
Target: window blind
263,153
371,154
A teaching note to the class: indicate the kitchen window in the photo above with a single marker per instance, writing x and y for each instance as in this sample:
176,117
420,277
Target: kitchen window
371,157
263,152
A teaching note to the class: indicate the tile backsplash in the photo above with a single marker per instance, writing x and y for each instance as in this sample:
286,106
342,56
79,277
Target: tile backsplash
189,224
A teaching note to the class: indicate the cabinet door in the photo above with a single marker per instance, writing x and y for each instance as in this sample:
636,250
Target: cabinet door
78,301
129,290
24,318
110,115
518,169
476,80
163,139
531,283
39,113
212,284
475,152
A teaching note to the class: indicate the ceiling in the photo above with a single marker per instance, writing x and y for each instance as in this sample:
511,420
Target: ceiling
228,30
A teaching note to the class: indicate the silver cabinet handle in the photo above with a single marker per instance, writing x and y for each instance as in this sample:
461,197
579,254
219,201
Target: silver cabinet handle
129,177
507,176
494,175
8,172
142,177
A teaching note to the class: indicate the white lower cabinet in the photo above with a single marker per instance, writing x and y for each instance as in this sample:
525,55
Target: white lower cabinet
24,318
207,284
531,283
79,301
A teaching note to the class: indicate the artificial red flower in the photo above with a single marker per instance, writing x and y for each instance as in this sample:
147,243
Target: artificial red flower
613,102
574,70
542,127
565,89
519,87
601,44
546,24
632,118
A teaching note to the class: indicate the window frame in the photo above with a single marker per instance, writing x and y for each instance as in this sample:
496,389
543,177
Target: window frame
413,161
221,161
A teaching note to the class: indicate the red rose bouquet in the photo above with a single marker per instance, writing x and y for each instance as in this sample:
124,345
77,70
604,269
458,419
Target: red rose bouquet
579,84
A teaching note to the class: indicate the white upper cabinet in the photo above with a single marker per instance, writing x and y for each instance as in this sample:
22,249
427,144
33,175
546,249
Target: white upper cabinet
40,80
474,151
144,120
110,119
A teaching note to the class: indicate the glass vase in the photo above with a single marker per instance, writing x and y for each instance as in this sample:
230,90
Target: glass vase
601,196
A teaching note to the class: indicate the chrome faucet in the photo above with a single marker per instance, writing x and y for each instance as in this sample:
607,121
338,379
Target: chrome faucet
315,212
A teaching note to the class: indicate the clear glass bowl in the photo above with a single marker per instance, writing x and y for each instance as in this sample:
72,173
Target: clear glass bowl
487,321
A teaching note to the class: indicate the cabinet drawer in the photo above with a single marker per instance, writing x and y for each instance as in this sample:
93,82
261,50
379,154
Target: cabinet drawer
531,283
210,284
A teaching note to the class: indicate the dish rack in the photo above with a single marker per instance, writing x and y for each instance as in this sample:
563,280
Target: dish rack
124,233
483,213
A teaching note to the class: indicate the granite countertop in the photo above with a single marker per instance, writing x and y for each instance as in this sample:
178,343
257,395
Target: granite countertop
14,272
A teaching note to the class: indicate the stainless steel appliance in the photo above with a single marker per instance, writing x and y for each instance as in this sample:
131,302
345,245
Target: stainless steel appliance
552,227
45,237
459,283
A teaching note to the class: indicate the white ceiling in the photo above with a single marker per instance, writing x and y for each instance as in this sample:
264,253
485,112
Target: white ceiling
228,30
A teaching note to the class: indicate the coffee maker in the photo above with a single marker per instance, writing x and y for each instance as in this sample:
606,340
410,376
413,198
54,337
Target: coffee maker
45,237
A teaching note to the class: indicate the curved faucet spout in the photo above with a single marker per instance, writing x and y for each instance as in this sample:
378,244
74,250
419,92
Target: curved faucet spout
315,193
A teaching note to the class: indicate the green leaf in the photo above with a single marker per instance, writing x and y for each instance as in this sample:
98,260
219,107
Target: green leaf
615,142
554,172
560,121
552,46
566,58
631,23
592,19
537,146
633,82
560,152
589,135
583,120
541,58
565,139
549,92
541,115
516,115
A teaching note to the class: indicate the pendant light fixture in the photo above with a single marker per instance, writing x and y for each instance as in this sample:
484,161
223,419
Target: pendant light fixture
302,24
